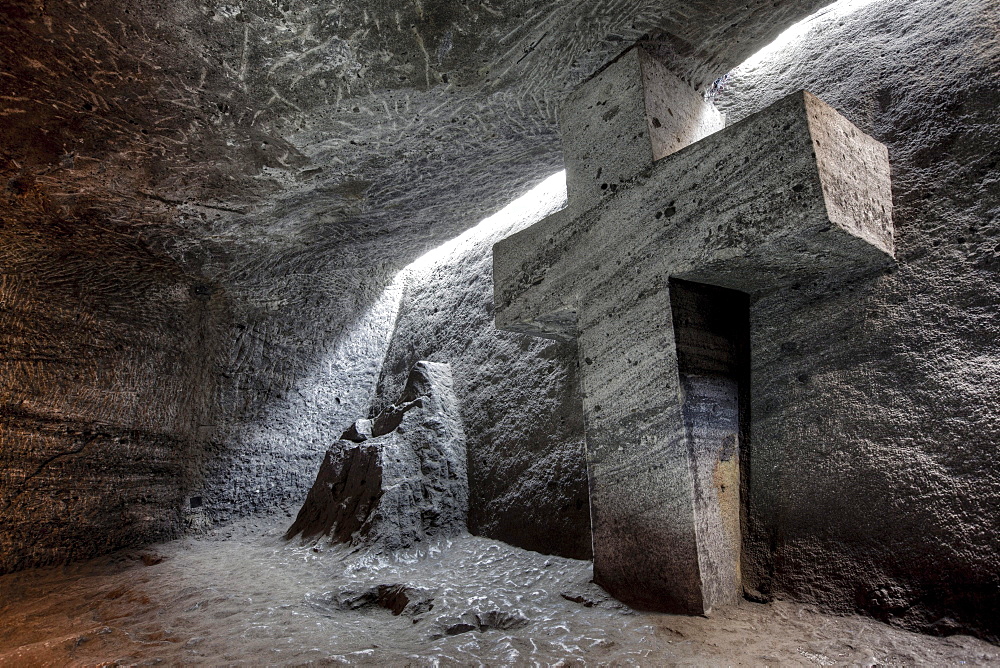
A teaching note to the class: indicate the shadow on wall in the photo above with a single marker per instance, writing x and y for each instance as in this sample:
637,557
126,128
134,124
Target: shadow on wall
293,382
92,453
518,396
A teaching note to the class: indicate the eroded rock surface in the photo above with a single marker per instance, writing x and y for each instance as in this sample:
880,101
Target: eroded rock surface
521,405
880,490
203,202
405,479
399,599
504,606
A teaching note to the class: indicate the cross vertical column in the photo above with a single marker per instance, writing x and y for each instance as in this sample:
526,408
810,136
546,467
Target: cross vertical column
641,483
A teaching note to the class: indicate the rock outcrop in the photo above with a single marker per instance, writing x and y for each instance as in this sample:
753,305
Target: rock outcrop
520,397
398,479
399,599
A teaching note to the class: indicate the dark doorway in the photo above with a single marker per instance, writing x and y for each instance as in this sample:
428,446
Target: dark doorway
712,335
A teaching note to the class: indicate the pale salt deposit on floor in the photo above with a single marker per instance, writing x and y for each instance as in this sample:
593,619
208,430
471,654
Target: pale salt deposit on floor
242,595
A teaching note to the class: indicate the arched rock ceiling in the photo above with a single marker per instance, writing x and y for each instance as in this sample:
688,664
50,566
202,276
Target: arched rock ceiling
200,124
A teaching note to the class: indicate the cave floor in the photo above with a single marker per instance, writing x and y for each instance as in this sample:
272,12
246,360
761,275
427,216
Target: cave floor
241,595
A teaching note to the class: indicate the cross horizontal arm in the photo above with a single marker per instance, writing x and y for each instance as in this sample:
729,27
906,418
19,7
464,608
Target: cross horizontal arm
793,191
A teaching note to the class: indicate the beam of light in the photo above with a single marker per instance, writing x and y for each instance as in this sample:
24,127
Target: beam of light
796,32
343,386
531,207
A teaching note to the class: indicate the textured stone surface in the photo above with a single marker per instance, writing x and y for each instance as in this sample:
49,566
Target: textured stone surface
93,454
879,489
301,606
629,114
207,200
815,202
520,396
708,213
403,485
203,202
712,337
399,599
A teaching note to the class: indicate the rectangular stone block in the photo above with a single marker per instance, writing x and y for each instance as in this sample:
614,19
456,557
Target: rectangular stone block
641,484
628,115
749,208
676,114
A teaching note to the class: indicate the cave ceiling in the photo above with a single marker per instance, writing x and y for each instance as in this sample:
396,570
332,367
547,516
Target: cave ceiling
382,127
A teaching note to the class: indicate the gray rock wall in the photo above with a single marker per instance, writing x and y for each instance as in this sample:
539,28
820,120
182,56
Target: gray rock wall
203,204
141,399
164,335
92,454
879,488
519,397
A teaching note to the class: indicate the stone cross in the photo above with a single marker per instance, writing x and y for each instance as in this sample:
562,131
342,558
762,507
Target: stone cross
674,227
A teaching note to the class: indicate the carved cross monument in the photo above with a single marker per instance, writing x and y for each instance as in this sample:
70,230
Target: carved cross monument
674,227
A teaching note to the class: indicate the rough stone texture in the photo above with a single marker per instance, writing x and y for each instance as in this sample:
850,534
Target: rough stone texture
231,597
403,485
756,208
611,128
878,488
717,203
399,599
712,337
520,397
207,200
93,454
288,159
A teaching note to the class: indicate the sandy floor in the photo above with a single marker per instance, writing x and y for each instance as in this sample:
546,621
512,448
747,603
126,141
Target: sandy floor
243,596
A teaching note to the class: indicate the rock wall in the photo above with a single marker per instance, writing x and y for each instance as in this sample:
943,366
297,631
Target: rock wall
193,343
519,395
874,481
92,454
141,398
204,204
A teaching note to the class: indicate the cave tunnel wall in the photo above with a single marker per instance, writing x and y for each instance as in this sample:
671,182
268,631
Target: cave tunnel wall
133,383
144,367
519,398
92,454
200,221
874,482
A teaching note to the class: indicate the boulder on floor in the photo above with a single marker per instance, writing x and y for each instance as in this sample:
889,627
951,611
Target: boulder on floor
398,479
